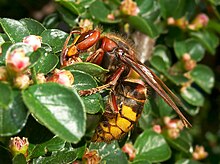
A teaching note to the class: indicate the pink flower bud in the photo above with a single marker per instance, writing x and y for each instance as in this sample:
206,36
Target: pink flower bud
17,61
63,77
22,81
199,153
3,73
200,21
130,150
173,133
33,40
129,7
157,128
18,145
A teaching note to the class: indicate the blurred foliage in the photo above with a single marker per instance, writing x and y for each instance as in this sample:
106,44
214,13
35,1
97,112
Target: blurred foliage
185,46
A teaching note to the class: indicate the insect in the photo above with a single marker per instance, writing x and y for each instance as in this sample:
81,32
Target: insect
126,96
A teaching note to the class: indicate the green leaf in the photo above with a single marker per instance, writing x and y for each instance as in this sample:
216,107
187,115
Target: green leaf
47,63
55,38
109,153
19,159
182,143
54,144
208,39
100,12
187,161
4,47
73,7
90,68
6,95
83,81
60,109
14,29
203,76
160,58
142,161
192,96
152,147
62,156
143,25
149,9
177,8
190,46
14,118
1,40
34,27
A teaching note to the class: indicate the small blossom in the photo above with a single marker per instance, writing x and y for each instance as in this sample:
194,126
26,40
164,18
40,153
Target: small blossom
91,157
199,22
63,77
33,40
189,64
111,17
129,149
129,7
17,61
18,145
86,25
171,21
173,133
3,73
199,153
157,128
22,81
40,78
182,23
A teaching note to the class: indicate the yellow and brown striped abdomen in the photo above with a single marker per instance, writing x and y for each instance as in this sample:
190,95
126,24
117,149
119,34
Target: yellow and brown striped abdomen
130,100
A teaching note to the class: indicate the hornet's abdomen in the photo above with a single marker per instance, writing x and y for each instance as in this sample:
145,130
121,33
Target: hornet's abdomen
130,98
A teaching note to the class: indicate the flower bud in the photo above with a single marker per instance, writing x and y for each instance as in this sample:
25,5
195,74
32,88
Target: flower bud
129,7
17,61
157,129
130,150
40,78
63,77
18,145
33,40
199,153
173,133
22,81
91,157
3,73
199,22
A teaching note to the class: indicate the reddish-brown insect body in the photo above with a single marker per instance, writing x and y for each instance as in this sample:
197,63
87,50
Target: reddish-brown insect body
126,97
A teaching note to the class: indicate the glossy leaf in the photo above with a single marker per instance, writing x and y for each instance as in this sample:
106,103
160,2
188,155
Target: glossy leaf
90,68
59,108
208,39
7,95
109,153
62,156
4,47
14,118
54,144
1,40
158,63
141,162
73,7
84,81
143,25
190,46
14,29
187,161
19,159
47,63
55,38
152,147
192,96
203,76
182,143
34,27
